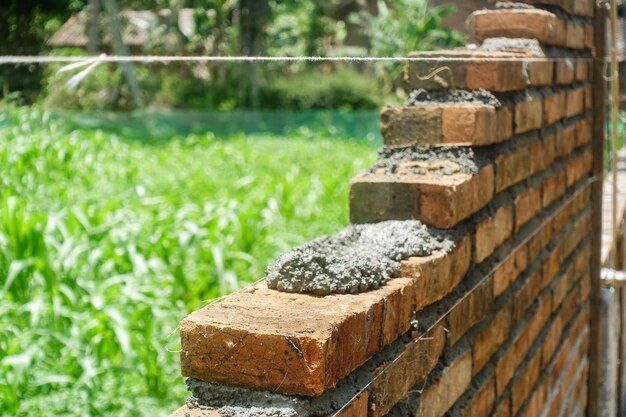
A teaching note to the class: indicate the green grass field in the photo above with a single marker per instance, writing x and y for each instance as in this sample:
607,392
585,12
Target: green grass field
107,241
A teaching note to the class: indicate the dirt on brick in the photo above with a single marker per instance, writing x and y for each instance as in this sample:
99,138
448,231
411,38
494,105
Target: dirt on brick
360,258
425,97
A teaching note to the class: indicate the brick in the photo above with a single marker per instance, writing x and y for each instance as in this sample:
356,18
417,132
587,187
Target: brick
481,70
483,400
552,341
526,295
469,311
512,167
394,381
527,205
566,140
589,37
508,271
445,124
492,232
489,340
437,274
582,70
521,23
437,201
583,132
539,241
553,107
529,113
439,396
588,97
503,408
575,169
565,71
552,188
535,403
523,386
402,126
575,37
542,153
575,102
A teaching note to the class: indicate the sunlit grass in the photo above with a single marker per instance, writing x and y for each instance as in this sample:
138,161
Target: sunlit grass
107,242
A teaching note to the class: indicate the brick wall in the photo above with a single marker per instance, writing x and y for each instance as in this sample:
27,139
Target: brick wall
500,325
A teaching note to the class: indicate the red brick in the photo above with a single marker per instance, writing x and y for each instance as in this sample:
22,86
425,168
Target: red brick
582,70
490,339
439,396
575,169
552,341
565,71
492,232
481,70
553,107
438,274
583,132
536,403
412,365
575,102
542,153
521,23
507,272
512,167
528,114
552,188
527,205
503,409
575,35
526,295
566,140
469,311
402,126
588,97
482,402
437,201
522,387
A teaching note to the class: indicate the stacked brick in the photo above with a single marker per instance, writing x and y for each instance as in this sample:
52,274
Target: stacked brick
500,325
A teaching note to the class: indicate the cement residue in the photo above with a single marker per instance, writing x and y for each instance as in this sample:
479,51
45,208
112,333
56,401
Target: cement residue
424,97
360,258
513,45
512,5
443,161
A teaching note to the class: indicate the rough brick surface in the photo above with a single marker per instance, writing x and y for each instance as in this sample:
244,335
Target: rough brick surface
537,24
437,201
492,232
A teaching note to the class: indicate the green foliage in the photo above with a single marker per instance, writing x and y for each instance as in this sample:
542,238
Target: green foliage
344,89
106,242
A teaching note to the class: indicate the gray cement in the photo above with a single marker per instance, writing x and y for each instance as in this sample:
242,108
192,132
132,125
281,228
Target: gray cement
424,97
513,45
360,258
512,5
446,160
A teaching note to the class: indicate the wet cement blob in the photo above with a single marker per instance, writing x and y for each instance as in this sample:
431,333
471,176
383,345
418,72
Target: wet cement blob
358,259
423,97
443,161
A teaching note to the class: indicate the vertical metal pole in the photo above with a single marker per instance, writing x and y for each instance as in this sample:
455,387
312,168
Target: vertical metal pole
599,117
614,130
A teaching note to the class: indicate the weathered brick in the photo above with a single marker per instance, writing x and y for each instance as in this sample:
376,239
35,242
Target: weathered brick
527,205
552,341
528,113
542,153
582,70
445,124
469,311
512,167
526,295
437,275
575,37
492,232
402,126
583,132
509,270
481,70
588,97
440,395
523,386
437,201
566,140
565,71
483,400
575,102
553,107
412,365
536,403
575,169
503,408
489,340
552,188
517,23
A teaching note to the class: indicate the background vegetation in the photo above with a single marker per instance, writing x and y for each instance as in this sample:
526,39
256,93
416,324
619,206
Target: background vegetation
231,27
